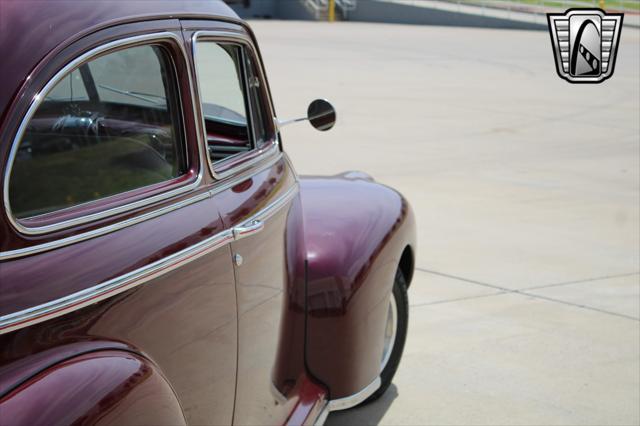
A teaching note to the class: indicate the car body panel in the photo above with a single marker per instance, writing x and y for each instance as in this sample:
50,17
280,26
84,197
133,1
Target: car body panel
308,403
29,363
182,320
356,231
260,286
100,388
153,287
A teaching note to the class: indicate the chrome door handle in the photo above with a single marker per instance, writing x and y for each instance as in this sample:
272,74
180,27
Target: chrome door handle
248,230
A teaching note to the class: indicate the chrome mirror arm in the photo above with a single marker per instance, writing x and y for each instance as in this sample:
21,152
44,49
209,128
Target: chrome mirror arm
282,123
320,114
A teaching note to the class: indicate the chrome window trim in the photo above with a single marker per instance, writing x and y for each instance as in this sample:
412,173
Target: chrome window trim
35,103
39,248
261,153
112,287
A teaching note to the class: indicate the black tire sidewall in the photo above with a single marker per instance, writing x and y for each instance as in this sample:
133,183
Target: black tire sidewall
399,293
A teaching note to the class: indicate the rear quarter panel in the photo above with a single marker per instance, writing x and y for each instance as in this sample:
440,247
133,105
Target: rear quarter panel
99,388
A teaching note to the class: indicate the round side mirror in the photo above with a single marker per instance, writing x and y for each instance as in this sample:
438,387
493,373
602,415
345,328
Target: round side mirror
321,114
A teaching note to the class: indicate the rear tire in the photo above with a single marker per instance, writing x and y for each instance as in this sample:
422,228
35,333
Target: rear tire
389,368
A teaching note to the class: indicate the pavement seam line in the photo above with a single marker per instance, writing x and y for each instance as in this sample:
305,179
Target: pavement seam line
459,299
586,280
524,293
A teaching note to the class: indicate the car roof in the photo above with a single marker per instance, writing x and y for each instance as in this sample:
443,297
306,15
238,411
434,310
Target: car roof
30,29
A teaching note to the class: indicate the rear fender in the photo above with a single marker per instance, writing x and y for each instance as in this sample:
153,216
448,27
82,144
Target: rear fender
104,388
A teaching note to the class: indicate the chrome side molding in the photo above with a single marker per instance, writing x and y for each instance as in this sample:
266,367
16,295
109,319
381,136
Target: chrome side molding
248,229
39,248
110,288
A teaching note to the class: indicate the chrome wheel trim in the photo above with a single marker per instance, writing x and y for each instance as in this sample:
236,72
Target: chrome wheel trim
390,331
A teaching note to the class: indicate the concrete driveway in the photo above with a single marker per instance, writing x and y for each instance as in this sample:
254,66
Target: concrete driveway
525,308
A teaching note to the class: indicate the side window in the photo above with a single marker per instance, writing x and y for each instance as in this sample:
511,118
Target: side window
223,95
233,100
109,126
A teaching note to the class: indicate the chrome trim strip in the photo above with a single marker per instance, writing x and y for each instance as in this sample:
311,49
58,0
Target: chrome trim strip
141,39
347,402
255,223
247,230
261,153
356,398
322,417
224,185
12,254
257,220
88,296
111,287
277,396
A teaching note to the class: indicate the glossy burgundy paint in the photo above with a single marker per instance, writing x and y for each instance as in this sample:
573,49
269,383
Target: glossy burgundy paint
100,388
18,371
182,321
309,401
298,323
356,231
261,294
291,343
51,25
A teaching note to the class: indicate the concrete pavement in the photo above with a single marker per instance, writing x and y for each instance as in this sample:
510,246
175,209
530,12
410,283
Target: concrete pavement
525,308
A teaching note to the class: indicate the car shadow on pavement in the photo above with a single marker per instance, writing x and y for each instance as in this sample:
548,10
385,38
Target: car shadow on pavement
368,414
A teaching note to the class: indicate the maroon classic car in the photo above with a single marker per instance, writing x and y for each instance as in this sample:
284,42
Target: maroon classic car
161,262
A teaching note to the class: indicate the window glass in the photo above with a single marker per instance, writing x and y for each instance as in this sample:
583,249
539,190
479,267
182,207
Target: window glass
70,88
108,127
143,83
221,82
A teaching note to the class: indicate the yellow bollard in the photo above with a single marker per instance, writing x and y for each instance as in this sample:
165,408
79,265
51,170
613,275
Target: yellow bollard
332,10
601,4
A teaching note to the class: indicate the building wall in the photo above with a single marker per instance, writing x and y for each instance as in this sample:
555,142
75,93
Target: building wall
256,9
275,9
377,11
394,13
